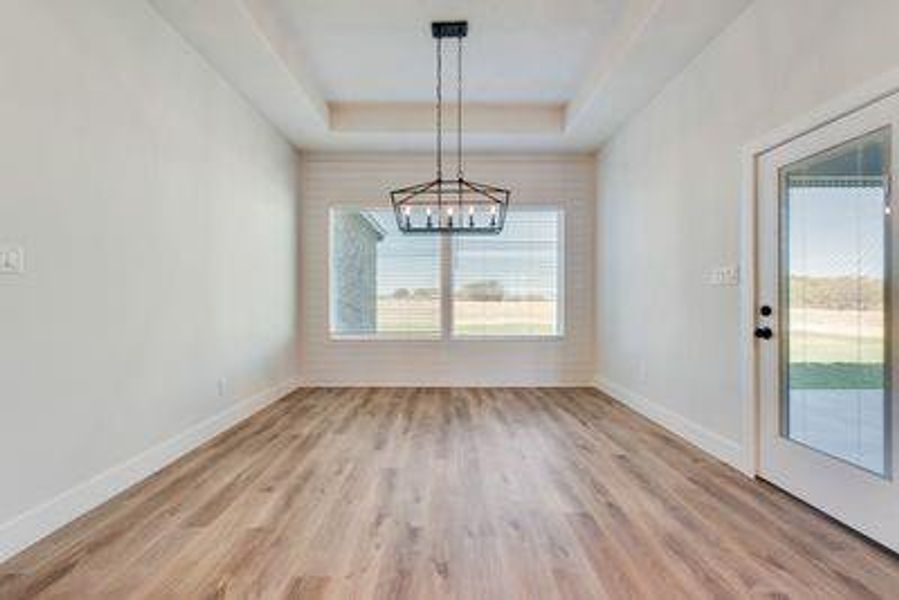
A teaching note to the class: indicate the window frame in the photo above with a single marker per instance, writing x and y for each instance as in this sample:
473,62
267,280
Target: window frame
559,334
446,288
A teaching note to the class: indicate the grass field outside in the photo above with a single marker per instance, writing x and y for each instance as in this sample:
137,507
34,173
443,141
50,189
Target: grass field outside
836,349
524,317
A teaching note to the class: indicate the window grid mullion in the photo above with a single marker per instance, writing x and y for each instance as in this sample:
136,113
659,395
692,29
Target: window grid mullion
446,287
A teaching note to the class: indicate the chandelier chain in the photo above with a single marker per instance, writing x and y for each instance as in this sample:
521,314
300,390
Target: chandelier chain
459,110
439,109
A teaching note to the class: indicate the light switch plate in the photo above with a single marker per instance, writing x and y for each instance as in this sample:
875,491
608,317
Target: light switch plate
12,260
726,275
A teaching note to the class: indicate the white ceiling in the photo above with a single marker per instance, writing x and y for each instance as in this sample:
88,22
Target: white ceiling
517,50
540,75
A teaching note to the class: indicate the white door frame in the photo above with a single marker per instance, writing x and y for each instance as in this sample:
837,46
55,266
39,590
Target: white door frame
857,99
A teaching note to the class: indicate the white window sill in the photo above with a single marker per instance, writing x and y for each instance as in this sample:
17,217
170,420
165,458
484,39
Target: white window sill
438,338
507,338
385,337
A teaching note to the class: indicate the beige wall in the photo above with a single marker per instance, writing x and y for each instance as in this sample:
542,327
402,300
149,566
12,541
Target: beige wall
158,215
669,203
364,180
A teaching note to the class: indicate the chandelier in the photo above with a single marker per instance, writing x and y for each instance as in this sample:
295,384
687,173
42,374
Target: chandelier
450,205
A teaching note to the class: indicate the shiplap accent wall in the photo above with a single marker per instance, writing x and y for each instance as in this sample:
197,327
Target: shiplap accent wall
329,180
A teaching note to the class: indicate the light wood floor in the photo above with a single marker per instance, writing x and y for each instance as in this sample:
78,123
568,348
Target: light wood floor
437,493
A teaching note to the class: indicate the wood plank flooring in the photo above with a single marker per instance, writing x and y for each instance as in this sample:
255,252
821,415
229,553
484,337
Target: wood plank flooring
450,493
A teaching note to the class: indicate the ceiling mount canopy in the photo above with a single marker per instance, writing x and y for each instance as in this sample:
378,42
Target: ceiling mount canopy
450,205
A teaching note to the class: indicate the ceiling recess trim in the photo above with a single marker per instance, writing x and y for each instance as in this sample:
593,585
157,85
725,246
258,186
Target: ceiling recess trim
253,51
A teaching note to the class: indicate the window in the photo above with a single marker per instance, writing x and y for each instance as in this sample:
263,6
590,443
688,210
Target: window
386,284
508,285
382,282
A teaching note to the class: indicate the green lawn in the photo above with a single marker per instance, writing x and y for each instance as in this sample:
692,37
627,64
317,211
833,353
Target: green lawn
835,362
836,376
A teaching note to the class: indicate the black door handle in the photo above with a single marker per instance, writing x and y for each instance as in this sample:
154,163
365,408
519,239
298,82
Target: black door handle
764,333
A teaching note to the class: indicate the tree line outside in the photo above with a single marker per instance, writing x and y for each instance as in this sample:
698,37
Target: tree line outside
834,293
476,291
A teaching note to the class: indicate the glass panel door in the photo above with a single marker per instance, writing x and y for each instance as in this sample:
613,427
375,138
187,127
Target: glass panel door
834,298
826,291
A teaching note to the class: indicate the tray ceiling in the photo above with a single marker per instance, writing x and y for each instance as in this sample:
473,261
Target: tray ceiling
540,75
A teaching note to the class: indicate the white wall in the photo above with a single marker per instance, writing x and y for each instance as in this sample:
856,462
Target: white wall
669,203
364,180
158,215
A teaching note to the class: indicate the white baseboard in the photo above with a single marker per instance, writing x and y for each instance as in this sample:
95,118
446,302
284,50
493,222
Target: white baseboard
36,523
720,447
329,383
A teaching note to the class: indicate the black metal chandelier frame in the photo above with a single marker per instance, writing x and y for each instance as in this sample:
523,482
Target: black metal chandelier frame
450,205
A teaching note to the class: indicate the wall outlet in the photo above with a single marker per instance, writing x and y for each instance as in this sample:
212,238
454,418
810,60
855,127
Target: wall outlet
222,387
726,275
12,260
